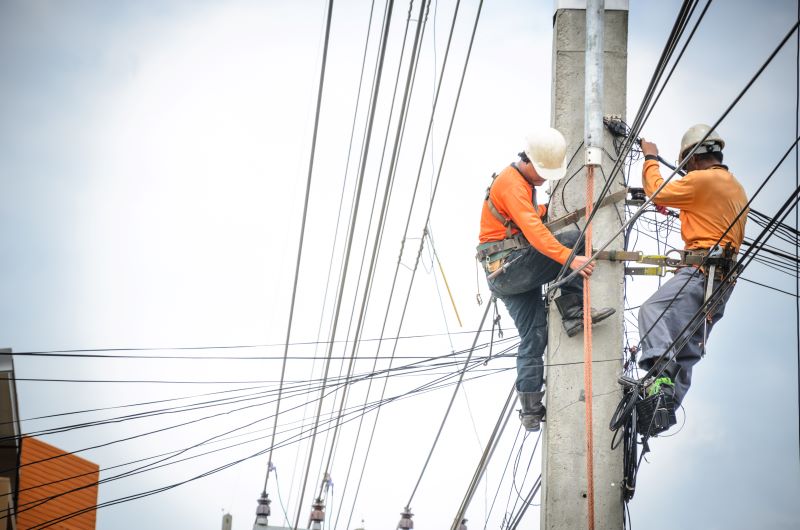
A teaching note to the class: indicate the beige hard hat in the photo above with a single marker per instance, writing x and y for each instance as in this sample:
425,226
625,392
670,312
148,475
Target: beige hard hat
713,143
547,151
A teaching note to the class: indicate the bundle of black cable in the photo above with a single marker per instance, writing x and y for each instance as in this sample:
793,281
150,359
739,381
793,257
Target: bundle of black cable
655,414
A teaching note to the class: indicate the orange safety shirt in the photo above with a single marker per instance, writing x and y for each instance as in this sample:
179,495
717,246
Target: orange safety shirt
512,196
709,200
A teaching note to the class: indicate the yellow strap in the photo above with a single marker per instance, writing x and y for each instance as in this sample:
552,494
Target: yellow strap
447,286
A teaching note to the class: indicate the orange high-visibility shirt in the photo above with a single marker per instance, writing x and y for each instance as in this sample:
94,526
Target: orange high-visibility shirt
709,200
512,195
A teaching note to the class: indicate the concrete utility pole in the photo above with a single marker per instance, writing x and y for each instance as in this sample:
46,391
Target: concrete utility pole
568,501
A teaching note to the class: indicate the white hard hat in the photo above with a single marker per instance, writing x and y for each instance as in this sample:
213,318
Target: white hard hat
547,151
713,143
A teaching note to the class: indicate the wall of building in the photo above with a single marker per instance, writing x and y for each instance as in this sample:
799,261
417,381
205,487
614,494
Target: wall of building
42,479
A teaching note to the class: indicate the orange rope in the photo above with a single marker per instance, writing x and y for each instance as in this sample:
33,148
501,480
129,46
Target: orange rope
587,353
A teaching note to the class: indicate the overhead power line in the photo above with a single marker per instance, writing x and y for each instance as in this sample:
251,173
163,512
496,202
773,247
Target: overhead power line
377,405
649,200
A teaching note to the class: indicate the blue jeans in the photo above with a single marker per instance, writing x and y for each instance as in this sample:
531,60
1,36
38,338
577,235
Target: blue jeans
520,289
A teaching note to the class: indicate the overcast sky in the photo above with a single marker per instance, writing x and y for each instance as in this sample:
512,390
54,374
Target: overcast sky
153,165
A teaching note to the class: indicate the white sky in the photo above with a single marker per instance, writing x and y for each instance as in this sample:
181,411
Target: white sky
153,160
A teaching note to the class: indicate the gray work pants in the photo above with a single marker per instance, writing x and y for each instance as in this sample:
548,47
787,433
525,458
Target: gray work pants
685,292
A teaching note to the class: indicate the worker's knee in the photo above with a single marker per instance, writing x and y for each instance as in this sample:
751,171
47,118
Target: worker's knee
569,238
644,314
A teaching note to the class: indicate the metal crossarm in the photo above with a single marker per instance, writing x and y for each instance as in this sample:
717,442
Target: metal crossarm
572,217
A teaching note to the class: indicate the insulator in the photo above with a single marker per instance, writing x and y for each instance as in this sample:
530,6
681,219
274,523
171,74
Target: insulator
405,519
263,505
317,512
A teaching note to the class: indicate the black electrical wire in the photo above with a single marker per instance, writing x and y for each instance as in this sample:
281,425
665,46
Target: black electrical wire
433,195
678,58
422,388
116,420
488,452
393,166
305,205
527,469
797,215
416,53
745,209
380,403
395,276
767,286
446,414
390,174
362,173
677,30
526,503
420,359
647,202
725,285
730,226
344,182
40,502
381,224
300,389
96,352
503,475
617,421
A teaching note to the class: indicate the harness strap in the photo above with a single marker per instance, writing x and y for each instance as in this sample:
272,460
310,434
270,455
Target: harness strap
486,250
507,221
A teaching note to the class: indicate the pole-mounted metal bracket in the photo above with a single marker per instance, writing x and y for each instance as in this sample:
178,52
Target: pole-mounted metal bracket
594,156
646,271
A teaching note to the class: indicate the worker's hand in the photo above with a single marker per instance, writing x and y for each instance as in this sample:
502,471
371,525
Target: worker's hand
649,148
578,262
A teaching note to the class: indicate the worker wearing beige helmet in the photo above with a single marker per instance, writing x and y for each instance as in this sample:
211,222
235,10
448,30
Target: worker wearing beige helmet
713,214
512,233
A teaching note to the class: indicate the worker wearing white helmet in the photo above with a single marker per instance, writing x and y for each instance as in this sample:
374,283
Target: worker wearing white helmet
713,214
513,235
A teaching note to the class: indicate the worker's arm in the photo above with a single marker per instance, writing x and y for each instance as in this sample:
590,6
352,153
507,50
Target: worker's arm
542,211
678,193
517,201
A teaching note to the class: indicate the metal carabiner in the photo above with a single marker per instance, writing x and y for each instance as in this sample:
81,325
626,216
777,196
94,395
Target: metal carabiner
672,262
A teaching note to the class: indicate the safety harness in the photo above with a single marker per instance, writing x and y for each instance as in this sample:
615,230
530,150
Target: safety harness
716,262
492,253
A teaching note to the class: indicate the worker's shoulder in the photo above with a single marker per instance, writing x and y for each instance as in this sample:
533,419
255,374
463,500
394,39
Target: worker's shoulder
508,172
720,178
508,178
711,171
712,174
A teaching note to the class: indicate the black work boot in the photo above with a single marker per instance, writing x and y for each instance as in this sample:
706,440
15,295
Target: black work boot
571,308
532,412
